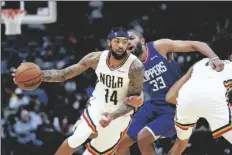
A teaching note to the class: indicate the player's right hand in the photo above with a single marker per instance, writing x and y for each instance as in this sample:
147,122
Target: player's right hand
13,70
105,120
217,64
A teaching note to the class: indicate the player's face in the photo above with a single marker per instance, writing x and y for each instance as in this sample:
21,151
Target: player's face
118,47
135,44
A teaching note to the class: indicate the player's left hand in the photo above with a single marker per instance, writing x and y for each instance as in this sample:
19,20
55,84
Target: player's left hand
217,64
134,101
105,120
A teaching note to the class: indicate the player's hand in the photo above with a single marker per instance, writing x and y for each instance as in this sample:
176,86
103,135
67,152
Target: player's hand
134,101
217,64
13,70
105,120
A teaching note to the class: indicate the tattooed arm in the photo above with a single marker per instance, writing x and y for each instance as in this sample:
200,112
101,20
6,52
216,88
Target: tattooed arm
136,73
89,61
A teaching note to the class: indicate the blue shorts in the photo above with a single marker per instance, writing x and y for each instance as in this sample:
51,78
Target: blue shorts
161,123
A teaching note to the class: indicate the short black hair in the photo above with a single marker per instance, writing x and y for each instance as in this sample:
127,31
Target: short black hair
222,47
136,32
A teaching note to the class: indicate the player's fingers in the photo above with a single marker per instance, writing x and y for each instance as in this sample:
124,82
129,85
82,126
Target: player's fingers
126,99
213,66
218,69
221,66
14,81
13,69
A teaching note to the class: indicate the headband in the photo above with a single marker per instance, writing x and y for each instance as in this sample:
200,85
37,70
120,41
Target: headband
113,35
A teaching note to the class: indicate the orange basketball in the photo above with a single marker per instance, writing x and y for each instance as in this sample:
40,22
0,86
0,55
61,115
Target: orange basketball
28,76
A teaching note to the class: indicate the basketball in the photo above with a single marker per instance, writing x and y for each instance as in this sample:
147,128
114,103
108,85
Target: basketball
28,76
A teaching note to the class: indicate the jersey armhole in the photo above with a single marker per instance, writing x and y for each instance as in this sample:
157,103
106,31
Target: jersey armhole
159,52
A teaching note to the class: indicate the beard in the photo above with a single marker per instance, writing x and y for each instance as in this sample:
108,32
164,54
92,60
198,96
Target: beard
117,56
138,50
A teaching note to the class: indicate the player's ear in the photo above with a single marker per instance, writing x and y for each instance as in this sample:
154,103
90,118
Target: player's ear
108,42
143,41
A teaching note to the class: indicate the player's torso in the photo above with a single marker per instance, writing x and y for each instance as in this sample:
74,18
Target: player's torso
209,84
112,84
160,74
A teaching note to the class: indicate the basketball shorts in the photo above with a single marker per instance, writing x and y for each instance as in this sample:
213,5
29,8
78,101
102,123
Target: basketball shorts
107,138
192,106
159,122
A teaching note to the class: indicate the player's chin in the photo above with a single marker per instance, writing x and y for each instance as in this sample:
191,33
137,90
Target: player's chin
119,53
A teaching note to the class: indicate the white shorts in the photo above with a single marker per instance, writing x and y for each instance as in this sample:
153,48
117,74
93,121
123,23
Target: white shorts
191,106
107,138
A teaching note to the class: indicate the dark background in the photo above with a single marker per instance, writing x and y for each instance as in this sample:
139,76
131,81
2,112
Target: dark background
54,107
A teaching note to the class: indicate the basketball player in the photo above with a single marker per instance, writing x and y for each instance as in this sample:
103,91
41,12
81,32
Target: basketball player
155,118
119,75
205,93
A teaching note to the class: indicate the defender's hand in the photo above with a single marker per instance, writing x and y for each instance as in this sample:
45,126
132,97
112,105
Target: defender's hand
134,101
217,64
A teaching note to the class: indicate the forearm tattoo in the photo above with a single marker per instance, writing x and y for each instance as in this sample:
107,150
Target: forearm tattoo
90,60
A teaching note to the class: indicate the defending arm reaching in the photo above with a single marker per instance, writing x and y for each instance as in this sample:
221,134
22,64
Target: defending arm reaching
89,61
136,73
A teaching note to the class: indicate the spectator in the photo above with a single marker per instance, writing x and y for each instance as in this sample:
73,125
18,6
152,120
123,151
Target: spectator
18,99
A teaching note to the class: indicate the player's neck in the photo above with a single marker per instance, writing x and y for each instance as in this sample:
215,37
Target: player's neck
114,63
144,54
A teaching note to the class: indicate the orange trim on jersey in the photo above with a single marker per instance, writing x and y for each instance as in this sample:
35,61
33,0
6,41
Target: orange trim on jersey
222,131
228,84
89,121
217,133
184,126
109,151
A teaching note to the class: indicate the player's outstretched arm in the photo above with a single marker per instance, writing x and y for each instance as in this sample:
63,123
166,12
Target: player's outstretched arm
172,94
165,46
89,61
135,87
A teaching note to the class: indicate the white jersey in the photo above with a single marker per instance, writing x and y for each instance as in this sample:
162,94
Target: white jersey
112,85
205,80
205,94
110,92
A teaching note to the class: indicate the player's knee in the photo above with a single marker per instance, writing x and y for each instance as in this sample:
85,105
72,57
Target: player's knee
145,137
126,141
184,135
80,135
228,136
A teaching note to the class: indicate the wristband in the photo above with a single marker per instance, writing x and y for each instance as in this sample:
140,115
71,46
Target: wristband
214,58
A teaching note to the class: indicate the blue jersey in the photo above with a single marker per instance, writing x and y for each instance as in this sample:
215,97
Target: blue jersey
160,74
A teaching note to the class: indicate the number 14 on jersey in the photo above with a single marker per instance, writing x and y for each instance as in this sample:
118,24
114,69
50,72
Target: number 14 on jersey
111,97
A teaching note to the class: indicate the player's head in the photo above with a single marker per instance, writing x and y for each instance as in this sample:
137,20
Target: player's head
118,42
136,42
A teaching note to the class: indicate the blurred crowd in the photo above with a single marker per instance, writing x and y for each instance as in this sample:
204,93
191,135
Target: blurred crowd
36,122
